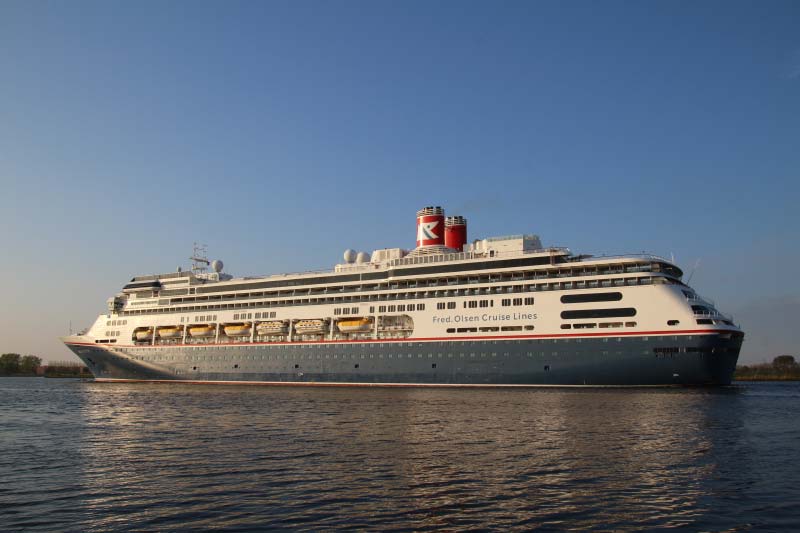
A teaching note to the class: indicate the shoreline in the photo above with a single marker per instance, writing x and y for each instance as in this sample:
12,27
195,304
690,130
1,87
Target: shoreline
767,378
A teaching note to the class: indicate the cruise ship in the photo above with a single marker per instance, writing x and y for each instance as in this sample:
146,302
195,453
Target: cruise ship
498,311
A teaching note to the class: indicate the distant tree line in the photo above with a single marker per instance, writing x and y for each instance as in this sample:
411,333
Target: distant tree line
782,368
14,364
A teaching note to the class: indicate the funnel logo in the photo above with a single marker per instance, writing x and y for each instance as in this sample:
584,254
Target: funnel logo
425,231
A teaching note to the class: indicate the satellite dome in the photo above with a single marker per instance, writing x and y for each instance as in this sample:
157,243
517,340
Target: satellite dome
362,257
217,265
349,256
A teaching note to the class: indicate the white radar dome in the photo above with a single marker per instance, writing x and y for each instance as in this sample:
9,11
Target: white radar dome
362,257
217,265
349,256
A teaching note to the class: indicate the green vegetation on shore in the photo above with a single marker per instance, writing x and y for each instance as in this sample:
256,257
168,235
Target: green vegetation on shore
782,368
13,364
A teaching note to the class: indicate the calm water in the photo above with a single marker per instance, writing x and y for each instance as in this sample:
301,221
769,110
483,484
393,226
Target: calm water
81,456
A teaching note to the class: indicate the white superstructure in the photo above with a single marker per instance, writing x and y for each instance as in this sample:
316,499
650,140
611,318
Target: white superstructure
509,289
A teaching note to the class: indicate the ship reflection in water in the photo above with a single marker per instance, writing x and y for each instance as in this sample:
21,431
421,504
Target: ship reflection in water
159,457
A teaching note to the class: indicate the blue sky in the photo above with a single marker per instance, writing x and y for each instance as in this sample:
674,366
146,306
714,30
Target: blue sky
281,133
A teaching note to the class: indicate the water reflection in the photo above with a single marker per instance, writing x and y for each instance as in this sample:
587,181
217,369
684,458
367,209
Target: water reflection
160,455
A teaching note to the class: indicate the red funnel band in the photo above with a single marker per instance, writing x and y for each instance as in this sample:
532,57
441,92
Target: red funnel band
455,236
430,230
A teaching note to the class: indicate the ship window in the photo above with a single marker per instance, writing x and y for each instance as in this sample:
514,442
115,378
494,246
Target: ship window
371,308
451,330
451,305
630,324
598,313
354,310
529,301
484,303
420,307
566,326
505,302
517,301
402,308
592,297
673,322
440,306
381,308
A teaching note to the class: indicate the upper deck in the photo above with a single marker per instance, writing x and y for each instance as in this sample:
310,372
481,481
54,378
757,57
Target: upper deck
488,265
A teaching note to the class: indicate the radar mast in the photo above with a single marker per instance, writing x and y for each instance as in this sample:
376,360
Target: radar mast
199,258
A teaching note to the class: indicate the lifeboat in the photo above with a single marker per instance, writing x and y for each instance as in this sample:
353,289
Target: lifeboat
170,332
313,326
355,325
238,330
275,327
143,334
202,330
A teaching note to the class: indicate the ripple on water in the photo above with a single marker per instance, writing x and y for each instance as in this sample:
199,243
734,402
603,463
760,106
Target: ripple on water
85,456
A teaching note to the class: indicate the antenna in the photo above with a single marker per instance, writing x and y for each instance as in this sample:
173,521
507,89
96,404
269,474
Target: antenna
199,260
696,264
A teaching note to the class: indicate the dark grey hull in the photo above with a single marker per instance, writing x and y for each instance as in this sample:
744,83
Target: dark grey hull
708,359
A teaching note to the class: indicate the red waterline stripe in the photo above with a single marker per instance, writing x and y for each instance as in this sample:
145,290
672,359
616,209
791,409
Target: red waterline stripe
364,384
425,339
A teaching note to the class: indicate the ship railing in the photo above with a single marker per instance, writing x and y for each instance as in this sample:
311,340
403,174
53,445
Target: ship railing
170,275
713,314
701,298
465,256
430,259
643,255
433,258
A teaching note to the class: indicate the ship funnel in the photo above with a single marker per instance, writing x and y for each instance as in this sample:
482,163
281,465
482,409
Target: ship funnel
430,227
455,232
